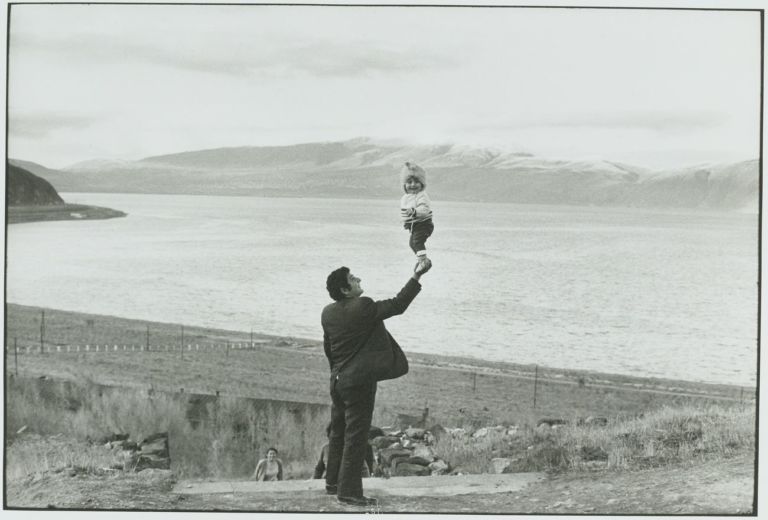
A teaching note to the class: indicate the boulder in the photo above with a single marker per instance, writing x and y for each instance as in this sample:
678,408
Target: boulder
397,460
439,467
420,461
425,452
153,462
154,453
388,454
384,441
415,433
482,432
596,421
410,470
500,465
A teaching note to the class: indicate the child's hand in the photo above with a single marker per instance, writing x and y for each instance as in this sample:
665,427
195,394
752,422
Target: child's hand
408,212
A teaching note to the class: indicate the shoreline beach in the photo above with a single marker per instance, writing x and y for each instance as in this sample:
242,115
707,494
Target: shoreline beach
295,369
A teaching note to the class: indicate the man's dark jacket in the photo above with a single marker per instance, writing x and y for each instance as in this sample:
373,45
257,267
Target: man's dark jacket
357,324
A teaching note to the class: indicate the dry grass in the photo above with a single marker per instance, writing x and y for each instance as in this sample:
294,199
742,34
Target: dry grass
36,455
665,436
221,438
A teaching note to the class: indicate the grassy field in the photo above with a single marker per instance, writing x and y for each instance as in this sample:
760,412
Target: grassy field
20,214
456,391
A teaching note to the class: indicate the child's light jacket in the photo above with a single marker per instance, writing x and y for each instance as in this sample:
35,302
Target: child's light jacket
421,202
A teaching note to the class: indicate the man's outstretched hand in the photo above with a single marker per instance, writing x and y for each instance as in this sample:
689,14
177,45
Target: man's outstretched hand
422,267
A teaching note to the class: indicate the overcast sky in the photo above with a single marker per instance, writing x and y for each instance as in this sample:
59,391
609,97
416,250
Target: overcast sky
652,88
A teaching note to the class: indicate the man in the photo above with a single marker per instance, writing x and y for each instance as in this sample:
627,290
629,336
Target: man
350,323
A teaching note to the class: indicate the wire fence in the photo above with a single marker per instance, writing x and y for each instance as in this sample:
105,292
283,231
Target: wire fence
106,348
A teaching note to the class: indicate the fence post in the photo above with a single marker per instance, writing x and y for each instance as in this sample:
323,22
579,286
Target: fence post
182,342
15,357
42,332
535,384
474,381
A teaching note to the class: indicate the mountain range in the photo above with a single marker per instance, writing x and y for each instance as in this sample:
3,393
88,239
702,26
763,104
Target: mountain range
363,168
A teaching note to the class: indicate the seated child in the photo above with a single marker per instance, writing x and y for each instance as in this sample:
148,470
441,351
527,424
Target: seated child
415,209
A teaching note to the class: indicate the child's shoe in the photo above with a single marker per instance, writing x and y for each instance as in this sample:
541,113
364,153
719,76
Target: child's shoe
423,263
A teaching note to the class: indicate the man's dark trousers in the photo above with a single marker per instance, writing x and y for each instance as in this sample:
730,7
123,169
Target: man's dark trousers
351,412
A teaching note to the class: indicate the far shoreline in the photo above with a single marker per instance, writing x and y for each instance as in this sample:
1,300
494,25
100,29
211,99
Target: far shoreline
59,212
122,330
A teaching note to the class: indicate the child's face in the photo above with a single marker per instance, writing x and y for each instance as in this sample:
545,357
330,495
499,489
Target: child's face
412,185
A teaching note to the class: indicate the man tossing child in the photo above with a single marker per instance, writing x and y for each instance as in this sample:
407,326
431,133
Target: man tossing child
415,209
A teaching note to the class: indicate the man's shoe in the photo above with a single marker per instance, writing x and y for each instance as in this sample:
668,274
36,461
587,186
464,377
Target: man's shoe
331,490
357,501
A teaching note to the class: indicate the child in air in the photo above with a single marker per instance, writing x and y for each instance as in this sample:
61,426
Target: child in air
415,209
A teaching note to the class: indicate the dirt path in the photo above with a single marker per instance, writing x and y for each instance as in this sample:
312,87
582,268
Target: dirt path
712,488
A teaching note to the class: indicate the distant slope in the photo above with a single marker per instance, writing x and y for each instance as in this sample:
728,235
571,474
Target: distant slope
30,198
27,189
364,168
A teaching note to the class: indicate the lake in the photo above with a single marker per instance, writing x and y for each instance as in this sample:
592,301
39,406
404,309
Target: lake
667,293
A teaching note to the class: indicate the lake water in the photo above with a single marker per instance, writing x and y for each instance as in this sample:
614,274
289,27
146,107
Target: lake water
652,293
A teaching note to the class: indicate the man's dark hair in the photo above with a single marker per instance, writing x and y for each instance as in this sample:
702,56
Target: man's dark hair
337,281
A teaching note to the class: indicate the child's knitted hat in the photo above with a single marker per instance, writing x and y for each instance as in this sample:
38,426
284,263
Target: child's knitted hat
410,169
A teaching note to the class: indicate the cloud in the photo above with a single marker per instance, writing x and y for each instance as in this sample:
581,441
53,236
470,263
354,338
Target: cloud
656,121
39,125
272,59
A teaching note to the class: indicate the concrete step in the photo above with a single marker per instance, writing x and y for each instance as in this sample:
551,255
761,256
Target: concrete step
403,486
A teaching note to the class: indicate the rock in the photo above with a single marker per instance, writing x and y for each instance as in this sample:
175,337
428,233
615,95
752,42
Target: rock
589,453
596,421
437,431
425,452
152,461
374,432
112,438
415,433
153,438
457,432
153,453
406,442
550,422
439,467
511,431
409,470
384,441
419,461
397,460
479,434
156,474
500,465
388,454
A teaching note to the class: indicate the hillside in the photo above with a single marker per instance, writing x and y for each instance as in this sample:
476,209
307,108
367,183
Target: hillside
25,188
362,168
30,198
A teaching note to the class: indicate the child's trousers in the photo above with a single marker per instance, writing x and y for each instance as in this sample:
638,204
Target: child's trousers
420,232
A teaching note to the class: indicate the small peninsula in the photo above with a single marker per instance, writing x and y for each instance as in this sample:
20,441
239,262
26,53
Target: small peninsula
30,198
